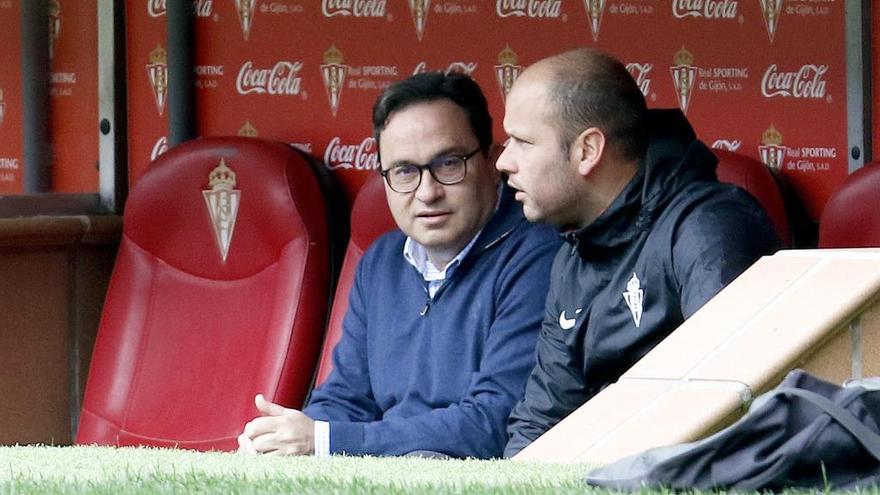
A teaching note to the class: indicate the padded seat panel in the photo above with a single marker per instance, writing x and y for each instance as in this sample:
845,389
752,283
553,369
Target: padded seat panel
187,338
370,218
852,215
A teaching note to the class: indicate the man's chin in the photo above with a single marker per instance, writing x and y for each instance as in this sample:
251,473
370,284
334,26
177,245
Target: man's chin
532,214
431,238
537,216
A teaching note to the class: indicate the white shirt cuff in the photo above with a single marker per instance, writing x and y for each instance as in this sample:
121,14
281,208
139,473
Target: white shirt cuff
322,439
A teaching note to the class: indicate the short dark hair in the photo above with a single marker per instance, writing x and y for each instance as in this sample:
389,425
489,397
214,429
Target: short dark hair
593,89
432,86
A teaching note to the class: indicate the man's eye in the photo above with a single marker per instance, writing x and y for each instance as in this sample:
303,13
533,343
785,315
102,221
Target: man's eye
447,162
405,171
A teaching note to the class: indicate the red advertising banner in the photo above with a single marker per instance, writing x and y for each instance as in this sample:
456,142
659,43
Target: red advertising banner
751,75
11,120
147,80
73,95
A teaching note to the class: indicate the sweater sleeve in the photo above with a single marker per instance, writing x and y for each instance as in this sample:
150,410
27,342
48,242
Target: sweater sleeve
475,425
555,387
346,395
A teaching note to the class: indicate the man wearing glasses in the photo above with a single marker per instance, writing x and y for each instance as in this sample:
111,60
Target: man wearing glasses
443,316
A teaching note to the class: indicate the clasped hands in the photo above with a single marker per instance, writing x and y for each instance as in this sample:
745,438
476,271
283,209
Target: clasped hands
279,431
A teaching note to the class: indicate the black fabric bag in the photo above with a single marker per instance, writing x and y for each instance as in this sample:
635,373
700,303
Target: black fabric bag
805,433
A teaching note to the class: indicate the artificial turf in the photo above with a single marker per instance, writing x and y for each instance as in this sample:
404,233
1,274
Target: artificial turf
102,470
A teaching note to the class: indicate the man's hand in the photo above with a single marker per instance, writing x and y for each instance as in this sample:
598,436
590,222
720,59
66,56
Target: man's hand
279,430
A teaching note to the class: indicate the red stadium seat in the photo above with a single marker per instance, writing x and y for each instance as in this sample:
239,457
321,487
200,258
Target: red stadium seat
753,176
370,218
851,217
192,331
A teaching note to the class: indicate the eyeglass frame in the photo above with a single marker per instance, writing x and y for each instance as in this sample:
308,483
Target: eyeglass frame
428,166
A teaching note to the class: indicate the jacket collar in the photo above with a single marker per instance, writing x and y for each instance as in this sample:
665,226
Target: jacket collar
673,159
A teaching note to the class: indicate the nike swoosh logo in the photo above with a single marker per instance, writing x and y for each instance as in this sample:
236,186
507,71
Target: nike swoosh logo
567,323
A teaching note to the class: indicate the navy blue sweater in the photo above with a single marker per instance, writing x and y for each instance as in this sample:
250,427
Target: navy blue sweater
444,381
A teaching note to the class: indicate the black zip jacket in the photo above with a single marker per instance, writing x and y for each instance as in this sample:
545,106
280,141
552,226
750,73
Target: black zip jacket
670,241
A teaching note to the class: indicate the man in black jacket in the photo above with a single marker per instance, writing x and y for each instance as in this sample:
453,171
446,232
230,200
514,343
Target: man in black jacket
651,233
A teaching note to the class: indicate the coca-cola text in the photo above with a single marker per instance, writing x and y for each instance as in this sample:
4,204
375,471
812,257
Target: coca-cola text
806,82
709,9
529,8
282,79
363,156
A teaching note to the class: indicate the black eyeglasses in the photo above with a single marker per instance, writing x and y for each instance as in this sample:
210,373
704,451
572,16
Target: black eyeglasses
447,170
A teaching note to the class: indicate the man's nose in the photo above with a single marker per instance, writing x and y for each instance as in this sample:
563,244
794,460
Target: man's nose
504,162
429,189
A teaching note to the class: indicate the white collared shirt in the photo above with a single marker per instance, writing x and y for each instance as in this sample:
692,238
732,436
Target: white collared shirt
417,256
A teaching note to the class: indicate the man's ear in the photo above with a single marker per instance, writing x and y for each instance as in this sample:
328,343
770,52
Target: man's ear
588,149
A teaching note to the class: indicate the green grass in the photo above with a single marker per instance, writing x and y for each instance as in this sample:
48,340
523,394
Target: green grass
158,471
99,470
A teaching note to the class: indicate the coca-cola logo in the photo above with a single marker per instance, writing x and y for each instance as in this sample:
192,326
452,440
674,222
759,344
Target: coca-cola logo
282,79
158,8
466,68
307,147
363,156
356,8
640,74
529,8
160,147
806,82
709,9
727,144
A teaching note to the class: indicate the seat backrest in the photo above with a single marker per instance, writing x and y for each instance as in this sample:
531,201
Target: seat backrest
370,218
851,217
219,292
753,176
